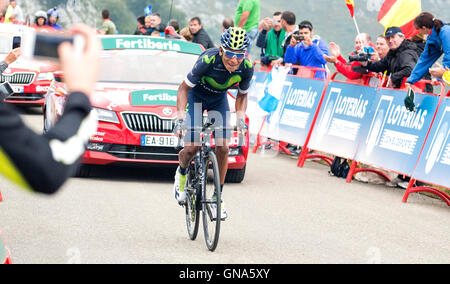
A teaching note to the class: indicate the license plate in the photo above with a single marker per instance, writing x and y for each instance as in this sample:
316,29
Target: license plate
158,141
17,89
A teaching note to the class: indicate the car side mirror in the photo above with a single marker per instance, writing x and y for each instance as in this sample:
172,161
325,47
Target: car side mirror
59,76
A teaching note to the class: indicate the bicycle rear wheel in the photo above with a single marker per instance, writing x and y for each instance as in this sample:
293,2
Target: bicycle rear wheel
192,205
211,204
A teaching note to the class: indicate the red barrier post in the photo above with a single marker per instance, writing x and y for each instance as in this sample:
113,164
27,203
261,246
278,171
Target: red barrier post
305,151
445,197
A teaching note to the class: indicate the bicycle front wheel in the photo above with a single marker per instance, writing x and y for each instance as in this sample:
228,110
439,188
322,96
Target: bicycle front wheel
212,200
192,205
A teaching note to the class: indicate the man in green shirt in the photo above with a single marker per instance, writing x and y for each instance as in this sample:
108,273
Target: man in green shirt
247,17
108,27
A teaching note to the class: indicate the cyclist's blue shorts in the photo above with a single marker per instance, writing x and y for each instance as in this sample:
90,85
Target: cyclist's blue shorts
218,113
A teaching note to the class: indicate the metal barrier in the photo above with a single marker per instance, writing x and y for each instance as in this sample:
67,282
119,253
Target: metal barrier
373,141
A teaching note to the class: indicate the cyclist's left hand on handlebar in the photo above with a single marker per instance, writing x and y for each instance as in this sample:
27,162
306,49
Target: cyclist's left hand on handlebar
179,129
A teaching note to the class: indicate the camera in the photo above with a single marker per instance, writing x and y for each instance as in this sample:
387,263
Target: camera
298,37
364,56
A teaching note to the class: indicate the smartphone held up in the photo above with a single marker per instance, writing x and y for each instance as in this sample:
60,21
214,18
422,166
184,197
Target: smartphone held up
44,46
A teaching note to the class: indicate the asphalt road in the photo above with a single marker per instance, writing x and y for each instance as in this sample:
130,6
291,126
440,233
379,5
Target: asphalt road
280,214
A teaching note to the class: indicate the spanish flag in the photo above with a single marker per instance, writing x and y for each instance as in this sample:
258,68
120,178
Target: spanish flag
400,13
351,7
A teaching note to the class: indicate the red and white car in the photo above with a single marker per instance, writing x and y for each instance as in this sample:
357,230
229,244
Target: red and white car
135,99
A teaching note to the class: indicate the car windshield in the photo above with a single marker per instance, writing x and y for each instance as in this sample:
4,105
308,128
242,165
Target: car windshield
148,66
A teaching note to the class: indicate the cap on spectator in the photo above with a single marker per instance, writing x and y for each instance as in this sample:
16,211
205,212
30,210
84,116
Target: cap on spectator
53,13
392,31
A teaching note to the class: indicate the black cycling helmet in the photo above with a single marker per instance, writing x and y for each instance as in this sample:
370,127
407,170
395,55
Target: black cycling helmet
235,38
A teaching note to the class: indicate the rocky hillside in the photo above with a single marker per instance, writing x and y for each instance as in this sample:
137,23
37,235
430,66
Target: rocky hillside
331,19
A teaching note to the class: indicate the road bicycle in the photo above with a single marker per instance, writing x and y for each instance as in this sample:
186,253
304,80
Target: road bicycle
203,191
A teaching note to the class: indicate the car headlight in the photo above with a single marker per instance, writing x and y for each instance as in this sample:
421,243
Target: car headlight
45,77
107,115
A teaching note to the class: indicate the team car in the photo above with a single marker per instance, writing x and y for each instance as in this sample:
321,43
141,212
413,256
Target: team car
30,80
136,98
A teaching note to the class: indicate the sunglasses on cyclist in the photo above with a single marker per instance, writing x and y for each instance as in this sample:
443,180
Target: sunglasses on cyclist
231,55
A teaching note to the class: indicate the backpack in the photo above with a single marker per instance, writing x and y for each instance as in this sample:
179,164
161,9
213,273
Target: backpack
339,169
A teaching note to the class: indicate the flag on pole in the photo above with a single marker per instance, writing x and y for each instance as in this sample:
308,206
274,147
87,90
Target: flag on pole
400,13
351,7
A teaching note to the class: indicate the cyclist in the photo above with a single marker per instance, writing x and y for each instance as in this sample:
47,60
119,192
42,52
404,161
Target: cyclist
205,88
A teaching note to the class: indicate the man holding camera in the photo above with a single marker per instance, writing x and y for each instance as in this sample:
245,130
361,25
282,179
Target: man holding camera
307,50
399,62
42,163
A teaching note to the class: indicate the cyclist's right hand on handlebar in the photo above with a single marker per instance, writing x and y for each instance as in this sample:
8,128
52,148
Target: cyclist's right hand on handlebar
179,129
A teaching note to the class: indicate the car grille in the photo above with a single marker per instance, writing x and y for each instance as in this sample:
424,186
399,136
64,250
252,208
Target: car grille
143,153
25,97
140,122
18,78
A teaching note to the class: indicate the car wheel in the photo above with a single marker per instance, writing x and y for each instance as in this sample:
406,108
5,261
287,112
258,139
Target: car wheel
84,171
235,176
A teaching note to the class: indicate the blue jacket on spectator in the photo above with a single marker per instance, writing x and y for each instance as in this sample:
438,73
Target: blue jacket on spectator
311,56
436,46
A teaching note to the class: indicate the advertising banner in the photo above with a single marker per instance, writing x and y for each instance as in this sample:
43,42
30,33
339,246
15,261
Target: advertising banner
434,164
255,94
395,135
294,115
344,115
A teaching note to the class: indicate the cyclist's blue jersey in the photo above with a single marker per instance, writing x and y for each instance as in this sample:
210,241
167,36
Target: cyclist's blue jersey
210,77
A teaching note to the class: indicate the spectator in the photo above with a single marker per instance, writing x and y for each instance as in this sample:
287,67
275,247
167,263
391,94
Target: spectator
140,30
176,26
288,20
170,33
47,171
381,47
41,19
227,23
186,34
148,10
247,17
400,60
361,41
53,17
108,27
200,36
264,27
271,39
153,23
308,52
16,13
156,33
420,40
438,43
